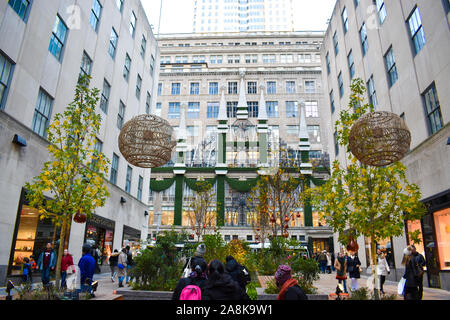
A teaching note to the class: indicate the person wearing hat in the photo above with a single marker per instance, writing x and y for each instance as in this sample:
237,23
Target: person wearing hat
289,289
197,277
200,251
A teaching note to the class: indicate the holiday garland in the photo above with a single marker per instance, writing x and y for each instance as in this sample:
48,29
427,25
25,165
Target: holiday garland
161,185
241,186
196,185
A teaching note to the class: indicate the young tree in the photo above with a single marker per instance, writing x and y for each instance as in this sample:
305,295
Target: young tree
372,201
201,216
258,200
74,178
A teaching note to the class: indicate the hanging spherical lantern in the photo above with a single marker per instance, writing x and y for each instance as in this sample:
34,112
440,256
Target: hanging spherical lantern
285,234
379,138
147,141
286,218
272,219
298,215
352,244
79,217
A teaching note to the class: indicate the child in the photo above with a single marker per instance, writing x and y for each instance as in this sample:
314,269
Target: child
26,275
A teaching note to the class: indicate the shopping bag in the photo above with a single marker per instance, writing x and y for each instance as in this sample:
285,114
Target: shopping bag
401,286
187,271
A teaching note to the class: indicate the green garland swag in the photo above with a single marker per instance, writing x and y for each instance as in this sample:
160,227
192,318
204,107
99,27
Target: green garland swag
317,182
196,185
241,186
158,186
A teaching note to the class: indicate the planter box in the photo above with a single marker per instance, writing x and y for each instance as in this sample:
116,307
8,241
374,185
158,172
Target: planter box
167,295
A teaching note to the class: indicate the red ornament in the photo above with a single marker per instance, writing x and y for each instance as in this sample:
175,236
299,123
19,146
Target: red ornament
298,215
80,218
352,244
204,226
272,219
286,218
258,229
286,226
285,235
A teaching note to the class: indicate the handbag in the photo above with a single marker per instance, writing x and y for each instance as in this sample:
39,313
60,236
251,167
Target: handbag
401,286
187,270
120,266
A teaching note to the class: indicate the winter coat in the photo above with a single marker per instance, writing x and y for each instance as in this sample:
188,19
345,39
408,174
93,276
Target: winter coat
224,288
328,260
295,293
52,264
341,268
113,259
183,283
66,262
122,260
322,257
87,267
382,266
411,274
352,268
234,269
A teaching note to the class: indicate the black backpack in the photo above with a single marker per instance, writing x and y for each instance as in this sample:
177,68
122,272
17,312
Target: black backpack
244,276
130,261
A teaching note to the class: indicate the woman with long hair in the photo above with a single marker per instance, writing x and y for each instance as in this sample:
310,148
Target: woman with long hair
411,289
382,268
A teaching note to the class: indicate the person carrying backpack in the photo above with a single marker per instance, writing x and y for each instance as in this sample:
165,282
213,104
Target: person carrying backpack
190,288
238,272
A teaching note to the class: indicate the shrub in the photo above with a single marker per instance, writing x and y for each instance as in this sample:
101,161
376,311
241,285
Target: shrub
215,247
237,249
251,290
308,269
271,287
360,294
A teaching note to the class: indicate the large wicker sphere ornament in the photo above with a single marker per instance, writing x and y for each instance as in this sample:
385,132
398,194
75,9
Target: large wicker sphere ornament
379,138
147,141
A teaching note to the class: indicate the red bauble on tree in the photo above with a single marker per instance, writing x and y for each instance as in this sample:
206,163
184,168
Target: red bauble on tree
79,217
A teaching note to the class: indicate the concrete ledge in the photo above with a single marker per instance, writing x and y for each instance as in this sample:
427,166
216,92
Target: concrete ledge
167,295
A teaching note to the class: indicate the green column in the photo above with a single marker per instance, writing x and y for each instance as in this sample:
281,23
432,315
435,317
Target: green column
307,209
263,147
220,202
179,182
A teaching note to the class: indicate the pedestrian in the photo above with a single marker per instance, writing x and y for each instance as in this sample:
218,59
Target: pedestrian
341,270
87,269
420,262
96,255
122,265
66,263
289,289
333,258
199,252
220,285
130,264
113,261
353,268
411,289
382,268
46,263
322,259
328,262
26,273
197,278
238,272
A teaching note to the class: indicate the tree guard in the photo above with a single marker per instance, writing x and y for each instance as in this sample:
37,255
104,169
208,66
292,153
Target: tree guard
147,141
379,139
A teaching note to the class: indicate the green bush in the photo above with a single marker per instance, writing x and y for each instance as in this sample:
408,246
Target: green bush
308,269
215,247
251,290
271,287
360,294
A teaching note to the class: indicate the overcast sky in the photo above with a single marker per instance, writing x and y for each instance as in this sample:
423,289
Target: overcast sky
177,15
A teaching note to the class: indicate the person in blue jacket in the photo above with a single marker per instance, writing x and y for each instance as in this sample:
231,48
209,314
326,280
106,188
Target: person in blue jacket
87,269
46,263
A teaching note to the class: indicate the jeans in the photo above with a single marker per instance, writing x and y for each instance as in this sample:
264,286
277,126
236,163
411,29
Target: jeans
128,273
323,266
45,276
113,271
354,284
63,279
345,284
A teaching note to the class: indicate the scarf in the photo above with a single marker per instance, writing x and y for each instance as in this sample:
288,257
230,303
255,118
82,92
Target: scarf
289,283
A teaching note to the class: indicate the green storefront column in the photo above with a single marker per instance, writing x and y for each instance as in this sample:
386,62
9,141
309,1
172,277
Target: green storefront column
263,146
179,187
307,209
220,200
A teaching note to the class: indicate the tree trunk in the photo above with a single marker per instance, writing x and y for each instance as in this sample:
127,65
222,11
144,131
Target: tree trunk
62,238
373,247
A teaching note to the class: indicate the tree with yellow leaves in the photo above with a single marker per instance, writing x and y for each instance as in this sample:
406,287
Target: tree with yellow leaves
371,201
73,181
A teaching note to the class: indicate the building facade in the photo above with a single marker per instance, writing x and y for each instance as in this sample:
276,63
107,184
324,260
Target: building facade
242,16
205,81
401,50
44,47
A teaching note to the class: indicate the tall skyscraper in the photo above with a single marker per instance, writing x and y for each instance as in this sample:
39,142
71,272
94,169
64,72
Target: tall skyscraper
243,15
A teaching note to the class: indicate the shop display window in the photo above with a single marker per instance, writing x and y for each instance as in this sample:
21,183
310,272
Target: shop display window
442,226
102,238
413,226
317,220
386,244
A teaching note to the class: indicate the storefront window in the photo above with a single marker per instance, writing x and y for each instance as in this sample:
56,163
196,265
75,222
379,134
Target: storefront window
387,245
32,236
317,221
100,233
442,225
132,238
320,245
413,226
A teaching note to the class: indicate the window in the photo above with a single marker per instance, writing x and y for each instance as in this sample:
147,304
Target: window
159,89
272,109
286,58
381,8
192,131
327,58
442,223
391,68
332,101
193,110
96,11
152,65
195,88
113,43
119,4
363,36
104,100
341,85
148,103
232,109
58,38
174,110
232,87
128,179
356,3
5,76
314,133
234,59
252,87
213,88
132,23
198,59
351,64
138,87
336,44
433,109
20,7
291,109
311,109
143,46
176,88
42,113
310,86
372,92
290,86
120,115
271,87
97,150
127,67
139,191
212,110
269,58
336,144
345,20
86,65
114,169
292,130
416,29
252,109
158,109
216,59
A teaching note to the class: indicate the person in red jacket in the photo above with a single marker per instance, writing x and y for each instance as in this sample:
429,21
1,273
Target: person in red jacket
66,263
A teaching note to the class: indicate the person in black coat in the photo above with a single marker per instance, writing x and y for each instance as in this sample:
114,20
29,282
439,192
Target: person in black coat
289,289
196,278
220,285
353,265
420,262
236,271
411,290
